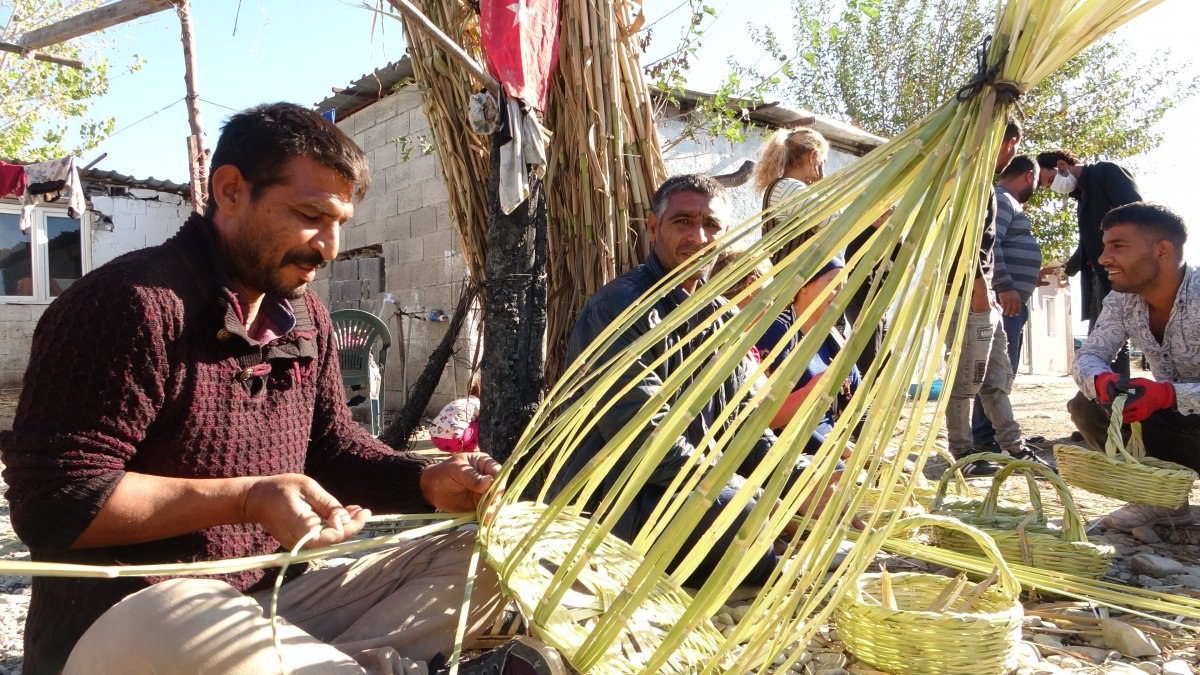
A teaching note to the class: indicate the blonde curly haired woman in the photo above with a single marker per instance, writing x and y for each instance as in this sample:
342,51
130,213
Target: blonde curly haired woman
789,162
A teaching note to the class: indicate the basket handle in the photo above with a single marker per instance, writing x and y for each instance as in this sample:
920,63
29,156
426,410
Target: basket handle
1135,450
1008,583
1073,530
955,471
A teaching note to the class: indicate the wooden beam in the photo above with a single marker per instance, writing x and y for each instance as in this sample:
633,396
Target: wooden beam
452,49
62,61
104,16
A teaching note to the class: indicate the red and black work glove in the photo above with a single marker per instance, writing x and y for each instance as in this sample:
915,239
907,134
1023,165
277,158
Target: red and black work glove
1147,397
1110,385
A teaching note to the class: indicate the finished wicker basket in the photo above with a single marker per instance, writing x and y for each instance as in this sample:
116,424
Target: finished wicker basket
1025,537
913,639
1123,471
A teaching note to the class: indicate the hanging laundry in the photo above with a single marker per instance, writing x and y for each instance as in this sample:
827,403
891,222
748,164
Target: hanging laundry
12,179
522,154
53,182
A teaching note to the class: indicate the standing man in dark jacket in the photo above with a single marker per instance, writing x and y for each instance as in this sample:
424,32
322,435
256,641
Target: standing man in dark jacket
1098,188
183,403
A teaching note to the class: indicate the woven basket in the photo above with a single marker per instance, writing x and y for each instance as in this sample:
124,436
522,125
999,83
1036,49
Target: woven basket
923,491
600,585
912,639
1026,537
1123,471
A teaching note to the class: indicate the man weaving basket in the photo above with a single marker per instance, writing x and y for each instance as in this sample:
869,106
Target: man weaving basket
1155,303
203,418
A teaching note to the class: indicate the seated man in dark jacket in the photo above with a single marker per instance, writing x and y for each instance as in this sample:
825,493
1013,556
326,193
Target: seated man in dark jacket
690,212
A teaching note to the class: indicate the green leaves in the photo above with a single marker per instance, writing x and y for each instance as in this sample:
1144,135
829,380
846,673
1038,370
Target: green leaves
883,65
44,108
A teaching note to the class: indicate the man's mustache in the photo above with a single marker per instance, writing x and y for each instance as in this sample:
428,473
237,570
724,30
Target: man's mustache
305,258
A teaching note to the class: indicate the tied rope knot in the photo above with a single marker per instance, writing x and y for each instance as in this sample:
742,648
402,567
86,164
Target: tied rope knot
1007,91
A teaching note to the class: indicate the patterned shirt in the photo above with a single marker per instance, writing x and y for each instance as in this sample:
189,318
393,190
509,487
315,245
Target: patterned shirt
1175,360
1017,256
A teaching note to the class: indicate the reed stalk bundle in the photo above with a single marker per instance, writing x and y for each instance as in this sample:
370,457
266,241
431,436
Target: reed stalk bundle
938,176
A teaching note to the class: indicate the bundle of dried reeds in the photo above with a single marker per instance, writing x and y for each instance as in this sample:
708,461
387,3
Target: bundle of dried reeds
605,162
446,88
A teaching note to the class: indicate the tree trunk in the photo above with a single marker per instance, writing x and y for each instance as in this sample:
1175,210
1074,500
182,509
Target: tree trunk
399,433
512,372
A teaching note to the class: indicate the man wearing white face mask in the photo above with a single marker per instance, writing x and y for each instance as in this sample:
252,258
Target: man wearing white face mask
1098,188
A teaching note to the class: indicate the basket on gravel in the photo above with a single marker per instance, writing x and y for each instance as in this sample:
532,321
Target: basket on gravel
908,623
1123,471
1024,537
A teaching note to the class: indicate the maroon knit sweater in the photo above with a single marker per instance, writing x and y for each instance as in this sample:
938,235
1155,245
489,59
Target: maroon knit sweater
138,367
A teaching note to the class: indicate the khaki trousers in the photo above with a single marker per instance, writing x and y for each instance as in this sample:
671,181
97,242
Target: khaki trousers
388,612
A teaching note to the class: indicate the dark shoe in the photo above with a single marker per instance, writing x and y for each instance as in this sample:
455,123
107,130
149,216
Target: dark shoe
1027,454
519,656
1076,437
989,446
980,467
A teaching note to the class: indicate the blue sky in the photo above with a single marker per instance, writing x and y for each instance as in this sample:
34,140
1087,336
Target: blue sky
266,50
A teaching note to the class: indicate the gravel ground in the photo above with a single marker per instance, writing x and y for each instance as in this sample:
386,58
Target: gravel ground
1058,637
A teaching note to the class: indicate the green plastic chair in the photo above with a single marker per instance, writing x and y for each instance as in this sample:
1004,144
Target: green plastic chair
362,340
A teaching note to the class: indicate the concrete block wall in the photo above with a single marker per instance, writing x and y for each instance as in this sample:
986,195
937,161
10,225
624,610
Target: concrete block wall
405,214
140,219
17,322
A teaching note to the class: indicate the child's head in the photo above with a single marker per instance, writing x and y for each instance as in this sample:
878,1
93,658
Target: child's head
726,258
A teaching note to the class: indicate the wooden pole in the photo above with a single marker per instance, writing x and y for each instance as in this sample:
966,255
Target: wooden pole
197,156
104,16
48,58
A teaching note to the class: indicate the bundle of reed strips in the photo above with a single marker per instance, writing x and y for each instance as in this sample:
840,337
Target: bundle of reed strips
938,176
604,165
446,89
604,160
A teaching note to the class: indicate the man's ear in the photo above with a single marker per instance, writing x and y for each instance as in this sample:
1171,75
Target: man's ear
229,187
652,226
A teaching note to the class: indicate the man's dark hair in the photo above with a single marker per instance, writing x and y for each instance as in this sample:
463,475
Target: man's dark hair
1153,219
1050,158
1012,129
686,182
1019,165
260,140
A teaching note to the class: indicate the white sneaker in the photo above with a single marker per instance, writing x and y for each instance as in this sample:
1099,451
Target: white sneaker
1133,516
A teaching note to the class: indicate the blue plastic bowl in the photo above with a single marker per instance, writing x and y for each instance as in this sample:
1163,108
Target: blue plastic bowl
935,390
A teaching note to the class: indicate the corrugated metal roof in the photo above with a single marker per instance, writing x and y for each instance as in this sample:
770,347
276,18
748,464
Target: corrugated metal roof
152,183
839,134
367,89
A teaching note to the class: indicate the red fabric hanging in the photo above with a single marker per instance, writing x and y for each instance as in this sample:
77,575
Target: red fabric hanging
520,43
12,179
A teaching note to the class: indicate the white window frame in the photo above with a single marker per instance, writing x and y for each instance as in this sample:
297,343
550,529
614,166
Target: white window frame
41,250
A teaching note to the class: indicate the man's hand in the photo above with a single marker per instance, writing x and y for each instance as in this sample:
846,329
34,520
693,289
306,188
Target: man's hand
981,300
1147,397
1109,386
1048,275
1010,302
457,484
291,505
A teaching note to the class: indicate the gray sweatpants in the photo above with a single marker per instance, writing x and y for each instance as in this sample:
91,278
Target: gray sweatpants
983,369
